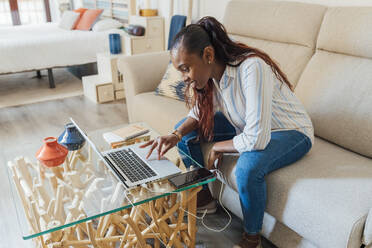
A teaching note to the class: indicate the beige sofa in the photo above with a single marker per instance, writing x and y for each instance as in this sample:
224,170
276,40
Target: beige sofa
322,200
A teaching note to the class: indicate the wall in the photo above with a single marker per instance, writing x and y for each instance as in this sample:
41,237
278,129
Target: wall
216,7
180,8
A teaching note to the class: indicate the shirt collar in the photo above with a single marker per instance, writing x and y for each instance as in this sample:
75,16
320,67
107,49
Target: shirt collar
228,76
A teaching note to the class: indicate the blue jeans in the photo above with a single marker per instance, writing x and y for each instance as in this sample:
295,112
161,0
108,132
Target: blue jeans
284,148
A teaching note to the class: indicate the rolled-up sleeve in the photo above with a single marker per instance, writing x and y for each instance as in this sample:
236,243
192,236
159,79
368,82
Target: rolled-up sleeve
193,113
257,86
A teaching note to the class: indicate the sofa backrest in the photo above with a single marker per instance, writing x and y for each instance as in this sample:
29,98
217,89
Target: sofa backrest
287,31
336,85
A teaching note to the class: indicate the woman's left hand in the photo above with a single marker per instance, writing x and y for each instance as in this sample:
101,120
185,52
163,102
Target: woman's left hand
212,157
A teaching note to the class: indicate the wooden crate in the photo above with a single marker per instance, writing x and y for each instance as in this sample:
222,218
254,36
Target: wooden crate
108,69
119,94
97,91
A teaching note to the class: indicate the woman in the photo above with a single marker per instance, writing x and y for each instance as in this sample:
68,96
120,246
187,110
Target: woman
241,100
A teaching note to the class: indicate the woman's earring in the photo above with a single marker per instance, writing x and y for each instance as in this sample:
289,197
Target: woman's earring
209,62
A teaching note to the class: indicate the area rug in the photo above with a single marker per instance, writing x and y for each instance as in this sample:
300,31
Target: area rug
25,88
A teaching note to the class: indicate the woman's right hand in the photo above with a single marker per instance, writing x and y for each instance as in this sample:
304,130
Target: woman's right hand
162,143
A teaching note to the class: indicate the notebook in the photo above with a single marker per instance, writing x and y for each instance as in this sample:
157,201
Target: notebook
124,134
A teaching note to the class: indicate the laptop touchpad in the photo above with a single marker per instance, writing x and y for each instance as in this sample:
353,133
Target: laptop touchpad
142,152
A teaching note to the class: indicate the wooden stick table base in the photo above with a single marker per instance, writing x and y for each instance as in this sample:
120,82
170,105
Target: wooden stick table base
52,198
146,225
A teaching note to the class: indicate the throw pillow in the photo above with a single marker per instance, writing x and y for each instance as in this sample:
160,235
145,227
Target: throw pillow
68,20
172,84
81,12
106,24
88,18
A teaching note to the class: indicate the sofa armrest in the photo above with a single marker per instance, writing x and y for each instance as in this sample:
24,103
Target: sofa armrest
367,233
143,72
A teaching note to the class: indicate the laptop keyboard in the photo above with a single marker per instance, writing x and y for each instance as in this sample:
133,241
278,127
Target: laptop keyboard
131,165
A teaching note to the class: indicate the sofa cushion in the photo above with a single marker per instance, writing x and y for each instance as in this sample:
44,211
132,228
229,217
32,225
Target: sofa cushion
336,91
156,111
276,21
277,28
172,85
336,85
328,190
347,30
291,58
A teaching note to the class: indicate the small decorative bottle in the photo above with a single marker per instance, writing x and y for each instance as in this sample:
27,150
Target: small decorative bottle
71,138
51,154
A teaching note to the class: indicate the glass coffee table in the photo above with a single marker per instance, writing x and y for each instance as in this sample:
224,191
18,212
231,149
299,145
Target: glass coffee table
81,203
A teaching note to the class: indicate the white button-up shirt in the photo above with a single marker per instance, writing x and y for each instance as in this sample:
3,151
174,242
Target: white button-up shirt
257,103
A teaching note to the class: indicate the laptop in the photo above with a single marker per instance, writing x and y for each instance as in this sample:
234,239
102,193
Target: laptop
129,163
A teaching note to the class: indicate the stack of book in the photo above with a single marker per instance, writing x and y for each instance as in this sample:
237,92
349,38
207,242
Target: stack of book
127,136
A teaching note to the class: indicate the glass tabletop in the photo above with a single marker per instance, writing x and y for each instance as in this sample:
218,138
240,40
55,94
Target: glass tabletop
81,189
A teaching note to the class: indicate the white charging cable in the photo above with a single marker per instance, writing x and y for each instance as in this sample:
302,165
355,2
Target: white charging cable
197,217
205,211
144,221
219,200
219,197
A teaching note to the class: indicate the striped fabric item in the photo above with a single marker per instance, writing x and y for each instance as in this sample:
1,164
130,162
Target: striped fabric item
257,103
171,84
115,9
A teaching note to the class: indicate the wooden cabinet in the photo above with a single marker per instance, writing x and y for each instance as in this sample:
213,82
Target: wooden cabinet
137,46
152,41
154,25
